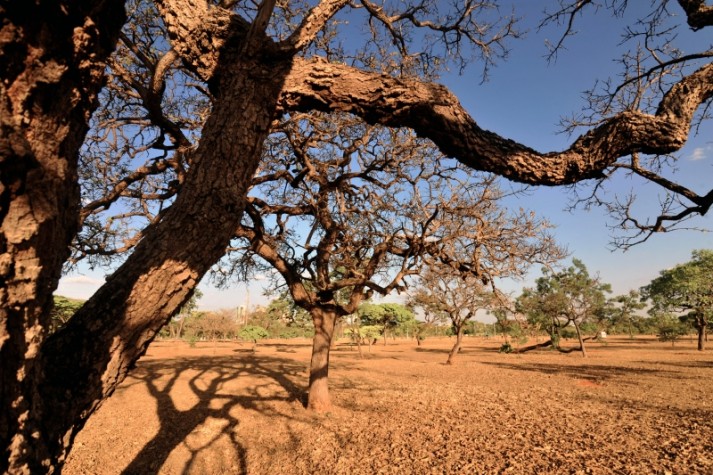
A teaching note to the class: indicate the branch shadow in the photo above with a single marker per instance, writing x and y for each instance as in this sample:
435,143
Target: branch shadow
684,364
206,378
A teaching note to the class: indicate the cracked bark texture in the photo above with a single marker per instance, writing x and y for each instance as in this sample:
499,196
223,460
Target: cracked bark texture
435,113
51,62
114,328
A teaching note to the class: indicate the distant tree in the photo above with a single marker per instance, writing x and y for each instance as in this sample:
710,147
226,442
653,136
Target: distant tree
386,316
62,310
444,290
559,299
284,310
361,334
686,288
215,325
431,316
511,324
622,310
253,333
176,325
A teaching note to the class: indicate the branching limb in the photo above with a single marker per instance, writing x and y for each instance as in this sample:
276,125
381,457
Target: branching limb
433,112
311,25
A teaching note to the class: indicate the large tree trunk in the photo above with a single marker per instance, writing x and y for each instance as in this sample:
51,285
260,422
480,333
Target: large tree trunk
65,380
87,359
318,397
456,347
52,57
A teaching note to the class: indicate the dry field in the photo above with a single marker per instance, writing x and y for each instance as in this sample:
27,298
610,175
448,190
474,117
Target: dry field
631,407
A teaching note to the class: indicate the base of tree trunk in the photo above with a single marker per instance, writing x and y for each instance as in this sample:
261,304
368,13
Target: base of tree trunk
318,401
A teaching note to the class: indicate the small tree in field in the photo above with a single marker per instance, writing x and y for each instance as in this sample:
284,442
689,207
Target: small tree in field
622,310
253,333
443,290
363,334
386,316
686,288
668,327
560,299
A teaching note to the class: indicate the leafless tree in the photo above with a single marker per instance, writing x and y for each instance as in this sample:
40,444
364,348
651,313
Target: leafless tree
342,211
505,248
255,63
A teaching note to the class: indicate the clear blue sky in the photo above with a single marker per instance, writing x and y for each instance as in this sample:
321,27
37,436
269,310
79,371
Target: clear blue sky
524,100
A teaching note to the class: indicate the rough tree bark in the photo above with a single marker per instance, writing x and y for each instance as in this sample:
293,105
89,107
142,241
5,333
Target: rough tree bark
79,366
434,112
52,58
324,321
94,352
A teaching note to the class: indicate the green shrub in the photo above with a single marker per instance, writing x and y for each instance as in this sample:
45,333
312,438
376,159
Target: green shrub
290,333
670,333
192,339
505,348
253,333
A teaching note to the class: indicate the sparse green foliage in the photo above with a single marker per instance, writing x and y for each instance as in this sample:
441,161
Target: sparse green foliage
560,299
385,316
62,310
669,328
363,334
253,333
622,311
286,319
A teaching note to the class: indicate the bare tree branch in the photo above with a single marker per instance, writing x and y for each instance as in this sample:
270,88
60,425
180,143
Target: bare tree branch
433,112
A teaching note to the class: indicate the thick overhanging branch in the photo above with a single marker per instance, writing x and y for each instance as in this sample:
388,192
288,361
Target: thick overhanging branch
434,112
698,14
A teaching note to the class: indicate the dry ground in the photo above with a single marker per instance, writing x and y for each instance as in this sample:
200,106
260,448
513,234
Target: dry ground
632,407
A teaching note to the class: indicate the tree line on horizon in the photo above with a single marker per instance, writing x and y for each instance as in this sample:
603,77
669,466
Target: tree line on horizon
679,301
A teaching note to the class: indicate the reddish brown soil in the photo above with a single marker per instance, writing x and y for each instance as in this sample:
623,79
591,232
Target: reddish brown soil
631,407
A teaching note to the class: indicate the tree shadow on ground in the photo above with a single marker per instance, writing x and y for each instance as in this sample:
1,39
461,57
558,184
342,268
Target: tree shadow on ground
290,346
596,373
207,378
686,417
684,364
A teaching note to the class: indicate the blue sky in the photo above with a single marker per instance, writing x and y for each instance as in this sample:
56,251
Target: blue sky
524,100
